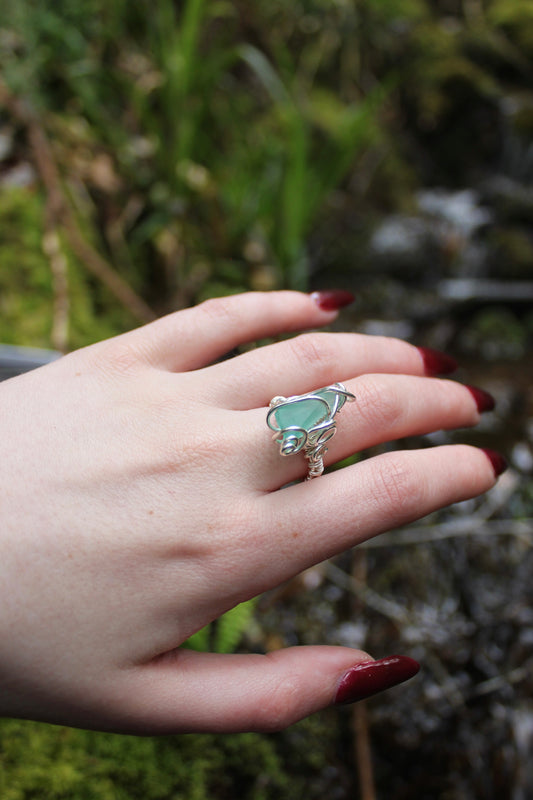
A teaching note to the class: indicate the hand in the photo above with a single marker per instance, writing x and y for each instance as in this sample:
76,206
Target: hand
140,499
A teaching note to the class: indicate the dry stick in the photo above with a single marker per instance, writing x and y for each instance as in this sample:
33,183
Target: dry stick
394,612
367,596
363,752
58,265
360,722
51,242
59,209
455,529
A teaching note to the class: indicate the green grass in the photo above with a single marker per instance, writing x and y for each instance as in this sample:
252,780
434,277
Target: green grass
213,140
232,129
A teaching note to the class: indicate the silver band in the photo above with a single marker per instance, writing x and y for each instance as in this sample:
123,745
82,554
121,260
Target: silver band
306,422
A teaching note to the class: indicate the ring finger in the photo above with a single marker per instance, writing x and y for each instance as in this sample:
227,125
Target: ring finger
387,407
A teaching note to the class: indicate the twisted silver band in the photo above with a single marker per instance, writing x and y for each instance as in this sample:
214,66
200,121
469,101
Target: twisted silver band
306,423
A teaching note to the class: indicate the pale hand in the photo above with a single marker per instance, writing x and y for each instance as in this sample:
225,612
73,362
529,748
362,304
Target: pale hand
141,498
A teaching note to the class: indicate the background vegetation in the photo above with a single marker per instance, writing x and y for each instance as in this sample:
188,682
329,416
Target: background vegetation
154,154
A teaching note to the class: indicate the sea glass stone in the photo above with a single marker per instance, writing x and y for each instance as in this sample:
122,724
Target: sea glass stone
304,414
307,422
296,417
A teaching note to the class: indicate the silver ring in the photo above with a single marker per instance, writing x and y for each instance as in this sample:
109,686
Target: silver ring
306,422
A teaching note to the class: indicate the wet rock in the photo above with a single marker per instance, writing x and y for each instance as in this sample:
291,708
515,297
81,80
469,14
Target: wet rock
16,360
399,329
467,289
461,211
404,243
522,457
20,176
511,199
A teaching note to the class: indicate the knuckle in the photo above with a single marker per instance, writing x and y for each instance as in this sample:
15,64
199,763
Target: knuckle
378,403
397,487
201,450
115,357
314,350
218,309
279,708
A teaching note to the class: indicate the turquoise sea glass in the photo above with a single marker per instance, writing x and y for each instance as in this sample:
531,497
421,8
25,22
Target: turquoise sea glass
304,414
296,417
306,422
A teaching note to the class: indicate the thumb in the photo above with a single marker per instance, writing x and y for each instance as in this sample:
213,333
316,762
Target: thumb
185,691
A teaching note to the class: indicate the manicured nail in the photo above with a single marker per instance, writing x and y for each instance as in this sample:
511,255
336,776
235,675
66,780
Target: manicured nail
484,400
499,464
371,677
437,363
333,299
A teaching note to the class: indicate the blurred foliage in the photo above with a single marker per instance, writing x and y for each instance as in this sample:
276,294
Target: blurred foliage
26,286
26,299
225,634
45,762
48,762
203,144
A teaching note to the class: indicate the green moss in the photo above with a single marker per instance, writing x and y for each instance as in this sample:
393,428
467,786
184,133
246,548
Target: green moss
514,253
496,333
26,295
51,763
515,18
26,285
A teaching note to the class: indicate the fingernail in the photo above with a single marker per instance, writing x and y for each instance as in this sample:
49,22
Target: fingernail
371,677
499,464
333,299
484,400
437,363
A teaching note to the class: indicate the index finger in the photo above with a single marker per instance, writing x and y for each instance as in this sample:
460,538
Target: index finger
194,337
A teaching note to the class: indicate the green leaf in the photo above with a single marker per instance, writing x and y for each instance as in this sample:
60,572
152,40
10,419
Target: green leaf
231,627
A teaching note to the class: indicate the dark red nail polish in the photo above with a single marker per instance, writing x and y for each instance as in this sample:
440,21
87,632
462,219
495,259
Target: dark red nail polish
484,400
333,299
499,464
437,363
371,677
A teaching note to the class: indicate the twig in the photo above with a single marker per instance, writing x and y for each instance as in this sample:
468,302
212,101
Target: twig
363,753
59,268
458,698
422,534
516,675
447,685
60,211
368,596
360,722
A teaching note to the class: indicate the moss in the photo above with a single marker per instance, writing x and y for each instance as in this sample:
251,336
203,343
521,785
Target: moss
50,763
45,762
513,249
26,286
496,333
26,295
515,18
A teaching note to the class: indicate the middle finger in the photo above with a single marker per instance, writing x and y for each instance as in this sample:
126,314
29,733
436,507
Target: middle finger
310,361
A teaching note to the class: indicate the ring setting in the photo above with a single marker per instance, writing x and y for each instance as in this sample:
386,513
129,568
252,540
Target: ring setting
306,422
